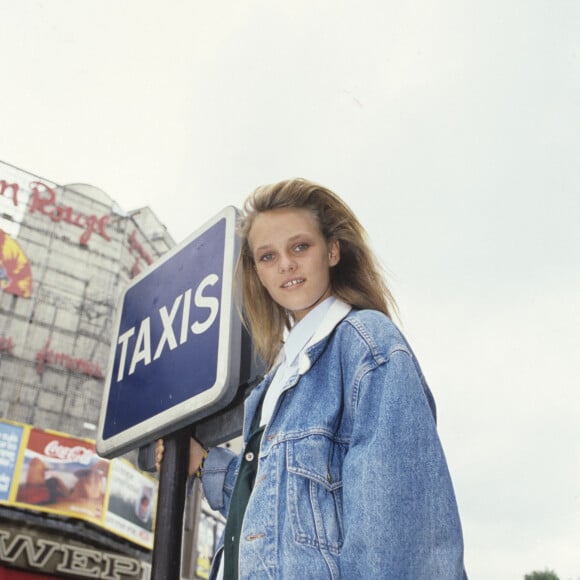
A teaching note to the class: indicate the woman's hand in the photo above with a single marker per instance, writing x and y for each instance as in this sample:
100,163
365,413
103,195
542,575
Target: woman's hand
159,451
196,454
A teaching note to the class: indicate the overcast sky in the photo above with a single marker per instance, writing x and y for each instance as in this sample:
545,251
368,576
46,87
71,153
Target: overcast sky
451,127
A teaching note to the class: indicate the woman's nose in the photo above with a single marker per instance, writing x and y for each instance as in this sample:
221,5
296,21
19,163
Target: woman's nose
286,263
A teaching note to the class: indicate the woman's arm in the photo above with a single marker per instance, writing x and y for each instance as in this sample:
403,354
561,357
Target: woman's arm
400,514
217,475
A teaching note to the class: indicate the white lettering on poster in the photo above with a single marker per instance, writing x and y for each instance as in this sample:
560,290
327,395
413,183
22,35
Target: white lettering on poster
4,483
57,450
8,453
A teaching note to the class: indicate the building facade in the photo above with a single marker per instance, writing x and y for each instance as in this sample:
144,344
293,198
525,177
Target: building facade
66,254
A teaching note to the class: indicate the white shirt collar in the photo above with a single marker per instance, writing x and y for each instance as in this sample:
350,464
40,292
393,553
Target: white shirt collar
303,331
337,311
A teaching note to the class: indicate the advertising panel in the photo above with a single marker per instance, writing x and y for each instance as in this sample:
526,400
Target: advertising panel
205,544
62,474
132,503
10,437
15,272
47,471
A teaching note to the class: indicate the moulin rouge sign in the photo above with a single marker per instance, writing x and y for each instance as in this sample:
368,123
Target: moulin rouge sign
43,201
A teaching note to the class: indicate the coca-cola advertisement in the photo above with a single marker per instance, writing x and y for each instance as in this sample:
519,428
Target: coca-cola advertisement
62,474
53,472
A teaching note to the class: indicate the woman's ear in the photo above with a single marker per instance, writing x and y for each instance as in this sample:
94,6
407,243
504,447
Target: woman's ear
334,253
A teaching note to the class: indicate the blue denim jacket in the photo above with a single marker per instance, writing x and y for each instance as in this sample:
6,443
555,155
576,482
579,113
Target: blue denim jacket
352,480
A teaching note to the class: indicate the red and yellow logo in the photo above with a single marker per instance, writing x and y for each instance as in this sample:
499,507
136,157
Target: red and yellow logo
15,272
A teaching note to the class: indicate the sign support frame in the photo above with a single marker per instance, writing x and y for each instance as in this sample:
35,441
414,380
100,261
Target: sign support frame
170,506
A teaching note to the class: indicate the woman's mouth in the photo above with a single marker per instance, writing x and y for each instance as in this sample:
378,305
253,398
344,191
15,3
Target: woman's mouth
293,282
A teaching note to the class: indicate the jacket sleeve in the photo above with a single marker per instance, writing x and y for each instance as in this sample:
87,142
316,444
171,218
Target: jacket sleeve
218,478
400,513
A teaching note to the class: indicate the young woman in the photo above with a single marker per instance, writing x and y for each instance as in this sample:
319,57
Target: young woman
342,473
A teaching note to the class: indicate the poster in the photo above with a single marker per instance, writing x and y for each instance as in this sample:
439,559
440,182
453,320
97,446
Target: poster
52,472
132,503
15,272
10,437
205,545
60,473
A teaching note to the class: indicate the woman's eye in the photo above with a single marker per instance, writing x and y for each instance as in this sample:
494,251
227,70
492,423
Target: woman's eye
301,247
266,258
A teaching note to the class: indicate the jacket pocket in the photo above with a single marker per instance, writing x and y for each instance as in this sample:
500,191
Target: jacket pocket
314,465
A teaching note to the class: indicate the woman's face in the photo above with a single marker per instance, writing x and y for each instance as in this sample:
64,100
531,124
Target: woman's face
292,258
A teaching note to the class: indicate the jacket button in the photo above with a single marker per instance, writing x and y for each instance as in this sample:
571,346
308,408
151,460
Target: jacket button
249,456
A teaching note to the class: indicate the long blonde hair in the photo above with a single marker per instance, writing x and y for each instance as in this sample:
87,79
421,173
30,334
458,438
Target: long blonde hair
356,279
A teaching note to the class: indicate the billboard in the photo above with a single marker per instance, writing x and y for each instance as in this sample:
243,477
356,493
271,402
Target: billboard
52,472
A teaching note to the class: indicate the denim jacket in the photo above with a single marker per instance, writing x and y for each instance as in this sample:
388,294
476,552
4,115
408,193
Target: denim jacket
352,480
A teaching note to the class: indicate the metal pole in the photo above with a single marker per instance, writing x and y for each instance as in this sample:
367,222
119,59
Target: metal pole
166,563
189,552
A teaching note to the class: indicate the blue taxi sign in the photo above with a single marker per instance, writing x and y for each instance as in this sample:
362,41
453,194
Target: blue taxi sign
175,356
